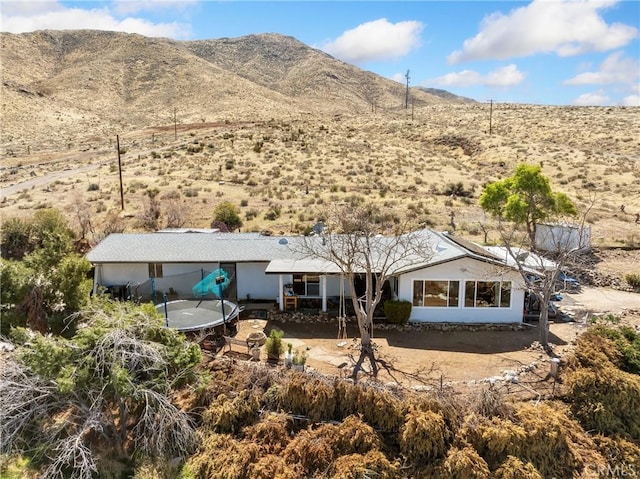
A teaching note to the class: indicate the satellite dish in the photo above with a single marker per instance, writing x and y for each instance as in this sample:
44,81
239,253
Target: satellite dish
214,283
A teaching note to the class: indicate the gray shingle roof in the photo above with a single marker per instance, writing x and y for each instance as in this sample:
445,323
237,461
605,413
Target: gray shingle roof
254,247
187,248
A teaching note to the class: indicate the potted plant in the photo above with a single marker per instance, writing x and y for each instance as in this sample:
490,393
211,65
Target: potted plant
288,356
299,360
274,345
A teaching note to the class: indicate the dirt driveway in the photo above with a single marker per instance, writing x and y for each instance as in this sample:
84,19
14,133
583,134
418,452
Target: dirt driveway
419,358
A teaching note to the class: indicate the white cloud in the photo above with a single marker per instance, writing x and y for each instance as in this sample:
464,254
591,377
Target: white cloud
53,16
127,7
375,41
563,27
505,76
399,77
614,69
502,77
596,98
631,100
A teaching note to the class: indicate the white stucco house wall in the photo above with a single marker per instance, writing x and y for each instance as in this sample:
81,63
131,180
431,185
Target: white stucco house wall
456,281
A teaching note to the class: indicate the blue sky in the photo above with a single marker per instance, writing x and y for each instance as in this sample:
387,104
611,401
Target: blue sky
554,52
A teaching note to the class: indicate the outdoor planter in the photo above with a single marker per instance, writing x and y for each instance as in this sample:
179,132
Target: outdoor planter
273,345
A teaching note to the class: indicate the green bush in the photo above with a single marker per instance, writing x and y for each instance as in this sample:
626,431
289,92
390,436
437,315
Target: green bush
633,279
397,312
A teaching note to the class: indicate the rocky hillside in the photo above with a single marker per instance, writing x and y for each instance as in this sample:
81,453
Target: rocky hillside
57,85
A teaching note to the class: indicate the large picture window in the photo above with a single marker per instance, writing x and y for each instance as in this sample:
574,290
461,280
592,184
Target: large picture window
442,294
487,294
306,284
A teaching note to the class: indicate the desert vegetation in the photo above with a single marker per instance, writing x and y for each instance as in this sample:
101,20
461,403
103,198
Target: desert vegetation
229,419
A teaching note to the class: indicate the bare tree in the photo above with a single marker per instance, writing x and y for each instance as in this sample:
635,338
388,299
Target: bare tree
177,213
354,242
540,270
63,401
82,214
149,217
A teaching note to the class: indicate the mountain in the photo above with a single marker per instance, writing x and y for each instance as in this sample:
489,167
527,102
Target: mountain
57,85
445,95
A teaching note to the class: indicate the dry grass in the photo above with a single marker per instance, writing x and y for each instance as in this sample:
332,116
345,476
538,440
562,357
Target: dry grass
305,164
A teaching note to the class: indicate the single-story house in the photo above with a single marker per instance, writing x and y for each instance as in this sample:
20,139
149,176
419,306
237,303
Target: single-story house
457,281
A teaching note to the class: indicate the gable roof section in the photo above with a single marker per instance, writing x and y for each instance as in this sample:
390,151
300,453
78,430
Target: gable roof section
188,248
446,249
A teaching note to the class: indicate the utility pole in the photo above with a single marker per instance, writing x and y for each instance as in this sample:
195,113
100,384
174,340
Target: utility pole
120,170
406,96
490,117
175,125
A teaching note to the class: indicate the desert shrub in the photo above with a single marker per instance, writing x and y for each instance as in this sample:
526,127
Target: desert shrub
493,438
272,466
606,400
618,450
220,455
273,213
227,213
363,466
310,451
271,433
230,415
251,214
633,279
464,463
514,468
456,189
159,469
191,149
379,408
311,397
627,343
93,187
424,436
316,449
397,312
603,397
491,402
553,443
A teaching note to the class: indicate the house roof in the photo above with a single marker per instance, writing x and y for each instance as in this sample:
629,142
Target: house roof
188,248
283,253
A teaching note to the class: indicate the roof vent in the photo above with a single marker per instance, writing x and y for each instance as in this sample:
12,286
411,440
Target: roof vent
283,241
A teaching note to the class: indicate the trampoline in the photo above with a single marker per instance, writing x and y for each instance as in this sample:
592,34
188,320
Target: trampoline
194,314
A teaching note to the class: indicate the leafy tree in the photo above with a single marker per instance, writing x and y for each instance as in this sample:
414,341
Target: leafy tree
522,200
356,246
229,214
69,404
47,228
49,282
15,241
525,198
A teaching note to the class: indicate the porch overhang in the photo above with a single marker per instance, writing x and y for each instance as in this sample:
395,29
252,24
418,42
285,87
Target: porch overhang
301,266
